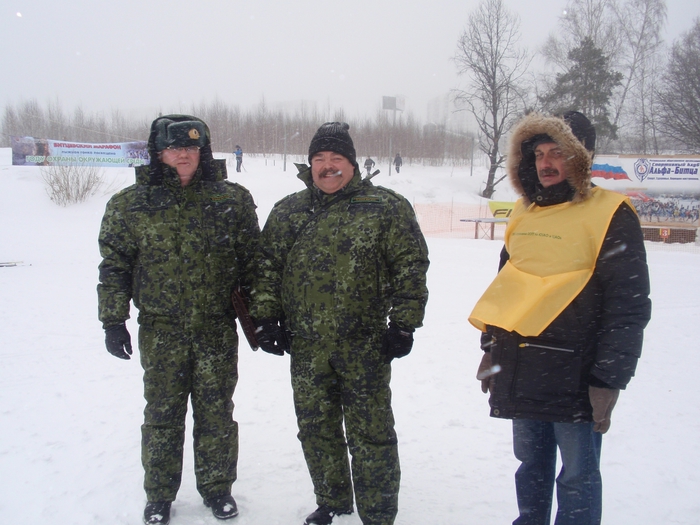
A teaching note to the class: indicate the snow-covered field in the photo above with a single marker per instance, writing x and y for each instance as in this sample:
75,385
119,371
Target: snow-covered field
70,413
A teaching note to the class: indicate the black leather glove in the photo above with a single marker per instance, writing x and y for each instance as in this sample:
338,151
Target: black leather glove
396,342
118,341
272,337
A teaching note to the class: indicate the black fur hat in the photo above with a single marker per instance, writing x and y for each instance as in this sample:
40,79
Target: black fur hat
179,131
333,136
182,131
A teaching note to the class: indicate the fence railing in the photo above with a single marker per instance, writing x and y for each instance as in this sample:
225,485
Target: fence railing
443,219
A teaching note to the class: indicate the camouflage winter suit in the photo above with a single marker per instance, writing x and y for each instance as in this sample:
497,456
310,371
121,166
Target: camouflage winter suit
336,266
177,252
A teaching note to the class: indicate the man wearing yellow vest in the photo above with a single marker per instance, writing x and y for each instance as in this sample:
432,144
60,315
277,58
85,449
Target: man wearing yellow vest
562,323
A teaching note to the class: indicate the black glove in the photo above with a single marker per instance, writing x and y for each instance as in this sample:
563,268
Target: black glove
396,342
272,337
118,341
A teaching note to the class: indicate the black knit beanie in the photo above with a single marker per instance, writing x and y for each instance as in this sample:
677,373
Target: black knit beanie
581,128
333,136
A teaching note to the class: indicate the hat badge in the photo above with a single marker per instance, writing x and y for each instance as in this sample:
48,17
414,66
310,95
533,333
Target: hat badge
194,134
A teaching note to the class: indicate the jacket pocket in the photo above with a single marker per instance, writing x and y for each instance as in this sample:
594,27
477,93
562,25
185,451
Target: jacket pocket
547,372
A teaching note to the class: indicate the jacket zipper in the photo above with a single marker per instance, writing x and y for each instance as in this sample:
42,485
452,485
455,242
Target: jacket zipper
559,349
516,368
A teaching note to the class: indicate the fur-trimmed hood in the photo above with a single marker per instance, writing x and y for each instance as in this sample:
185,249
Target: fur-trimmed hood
520,165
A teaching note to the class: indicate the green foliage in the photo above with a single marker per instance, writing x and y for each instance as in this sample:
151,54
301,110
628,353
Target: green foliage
587,86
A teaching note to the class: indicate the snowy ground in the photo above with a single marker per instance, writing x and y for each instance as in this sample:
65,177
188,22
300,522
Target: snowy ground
70,412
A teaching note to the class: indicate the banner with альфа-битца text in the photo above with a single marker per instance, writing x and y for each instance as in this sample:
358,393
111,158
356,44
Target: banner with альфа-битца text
30,151
665,190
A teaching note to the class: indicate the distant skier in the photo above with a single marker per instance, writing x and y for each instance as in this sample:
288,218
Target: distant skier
239,157
369,164
398,163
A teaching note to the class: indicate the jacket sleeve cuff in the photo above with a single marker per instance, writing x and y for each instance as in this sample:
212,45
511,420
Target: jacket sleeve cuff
598,383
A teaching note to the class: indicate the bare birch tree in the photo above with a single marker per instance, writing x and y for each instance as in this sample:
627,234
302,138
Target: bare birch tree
643,109
639,24
580,20
488,54
680,94
628,32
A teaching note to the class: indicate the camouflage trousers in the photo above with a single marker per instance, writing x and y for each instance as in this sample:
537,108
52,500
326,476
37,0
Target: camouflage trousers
201,366
346,382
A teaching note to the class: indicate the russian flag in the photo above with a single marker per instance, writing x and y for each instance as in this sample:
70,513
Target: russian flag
606,171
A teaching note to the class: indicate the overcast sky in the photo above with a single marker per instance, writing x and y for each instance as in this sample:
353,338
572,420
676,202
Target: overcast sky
157,55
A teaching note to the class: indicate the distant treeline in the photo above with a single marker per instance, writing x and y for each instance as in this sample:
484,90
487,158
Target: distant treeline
258,131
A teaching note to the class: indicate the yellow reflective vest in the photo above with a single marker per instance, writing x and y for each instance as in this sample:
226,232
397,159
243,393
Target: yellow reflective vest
553,252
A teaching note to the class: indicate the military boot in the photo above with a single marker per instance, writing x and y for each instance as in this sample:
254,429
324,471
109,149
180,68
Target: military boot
222,507
324,515
157,513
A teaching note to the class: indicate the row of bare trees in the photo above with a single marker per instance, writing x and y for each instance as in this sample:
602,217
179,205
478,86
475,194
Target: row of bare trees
606,58
31,119
261,130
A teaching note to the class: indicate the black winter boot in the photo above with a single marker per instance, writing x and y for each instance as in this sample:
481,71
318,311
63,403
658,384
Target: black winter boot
324,515
157,513
222,507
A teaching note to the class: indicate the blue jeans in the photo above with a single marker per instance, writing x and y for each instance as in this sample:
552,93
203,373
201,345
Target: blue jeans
579,487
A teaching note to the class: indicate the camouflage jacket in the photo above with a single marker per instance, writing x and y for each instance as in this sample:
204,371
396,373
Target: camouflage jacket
336,265
176,251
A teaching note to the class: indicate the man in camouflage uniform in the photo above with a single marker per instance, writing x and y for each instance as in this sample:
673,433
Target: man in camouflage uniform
177,243
338,259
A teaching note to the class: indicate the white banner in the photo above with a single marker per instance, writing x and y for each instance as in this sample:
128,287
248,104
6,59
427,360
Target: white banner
30,151
665,190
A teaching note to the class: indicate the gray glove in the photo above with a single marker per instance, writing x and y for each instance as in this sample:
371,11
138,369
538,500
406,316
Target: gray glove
118,341
603,401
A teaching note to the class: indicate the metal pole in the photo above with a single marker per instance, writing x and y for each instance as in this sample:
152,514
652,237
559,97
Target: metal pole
391,136
284,162
390,157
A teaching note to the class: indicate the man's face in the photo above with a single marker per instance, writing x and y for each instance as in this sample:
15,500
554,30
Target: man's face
331,171
184,160
549,161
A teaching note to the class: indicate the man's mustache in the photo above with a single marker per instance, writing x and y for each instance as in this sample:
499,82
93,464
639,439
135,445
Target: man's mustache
330,173
549,171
